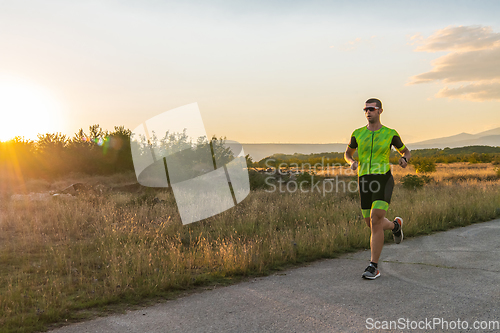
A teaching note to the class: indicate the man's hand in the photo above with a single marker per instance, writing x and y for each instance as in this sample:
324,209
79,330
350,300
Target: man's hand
348,158
403,161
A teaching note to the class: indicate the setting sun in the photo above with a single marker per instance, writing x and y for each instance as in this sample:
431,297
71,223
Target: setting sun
26,110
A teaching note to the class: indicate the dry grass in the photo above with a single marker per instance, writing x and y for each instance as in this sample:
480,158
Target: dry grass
9,186
62,256
454,172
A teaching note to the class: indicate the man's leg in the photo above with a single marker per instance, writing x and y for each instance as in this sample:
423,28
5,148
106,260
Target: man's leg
366,214
366,198
379,223
380,203
368,223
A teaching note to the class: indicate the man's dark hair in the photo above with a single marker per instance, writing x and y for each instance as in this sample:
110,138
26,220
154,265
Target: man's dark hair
375,100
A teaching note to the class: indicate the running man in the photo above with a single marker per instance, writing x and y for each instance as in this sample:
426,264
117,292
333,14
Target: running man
375,180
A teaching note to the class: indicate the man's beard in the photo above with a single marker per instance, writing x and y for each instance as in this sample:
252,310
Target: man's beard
373,120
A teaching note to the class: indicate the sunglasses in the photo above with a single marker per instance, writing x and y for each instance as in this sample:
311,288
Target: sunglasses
371,108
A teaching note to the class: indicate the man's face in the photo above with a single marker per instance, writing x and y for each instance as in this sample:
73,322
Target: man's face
372,112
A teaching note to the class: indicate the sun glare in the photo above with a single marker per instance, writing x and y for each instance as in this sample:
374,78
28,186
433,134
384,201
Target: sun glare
27,110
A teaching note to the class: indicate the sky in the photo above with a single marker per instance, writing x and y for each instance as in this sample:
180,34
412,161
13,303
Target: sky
260,71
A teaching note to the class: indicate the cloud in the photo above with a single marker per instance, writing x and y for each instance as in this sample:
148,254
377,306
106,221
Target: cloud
462,38
474,58
416,39
473,92
463,67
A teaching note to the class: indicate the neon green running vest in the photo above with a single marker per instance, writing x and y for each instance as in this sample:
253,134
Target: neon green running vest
374,149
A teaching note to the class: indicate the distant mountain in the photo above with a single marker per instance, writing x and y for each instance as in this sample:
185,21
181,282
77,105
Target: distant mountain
486,138
445,140
495,131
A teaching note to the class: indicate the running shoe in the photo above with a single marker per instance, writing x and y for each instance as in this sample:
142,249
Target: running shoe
398,233
371,273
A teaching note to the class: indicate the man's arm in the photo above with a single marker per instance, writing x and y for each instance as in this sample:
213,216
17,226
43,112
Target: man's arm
405,152
348,157
405,158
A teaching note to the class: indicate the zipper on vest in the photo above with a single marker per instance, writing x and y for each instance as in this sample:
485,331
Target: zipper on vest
371,154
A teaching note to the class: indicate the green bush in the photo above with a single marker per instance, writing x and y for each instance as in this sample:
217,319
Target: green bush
424,165
480,158
258,180
412,182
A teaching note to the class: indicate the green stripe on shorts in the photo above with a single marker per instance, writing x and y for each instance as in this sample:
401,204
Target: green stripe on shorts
379,204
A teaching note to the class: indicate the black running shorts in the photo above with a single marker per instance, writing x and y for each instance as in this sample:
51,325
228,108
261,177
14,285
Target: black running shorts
375,192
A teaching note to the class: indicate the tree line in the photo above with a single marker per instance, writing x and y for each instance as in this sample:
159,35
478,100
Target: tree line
53,155
101,152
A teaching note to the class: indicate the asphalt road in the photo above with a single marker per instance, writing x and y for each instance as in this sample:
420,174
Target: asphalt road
449,281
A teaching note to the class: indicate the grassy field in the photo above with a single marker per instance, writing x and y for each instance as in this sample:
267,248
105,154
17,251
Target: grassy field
68,259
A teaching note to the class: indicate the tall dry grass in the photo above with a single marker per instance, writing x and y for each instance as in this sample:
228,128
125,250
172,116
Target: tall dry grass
63,256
